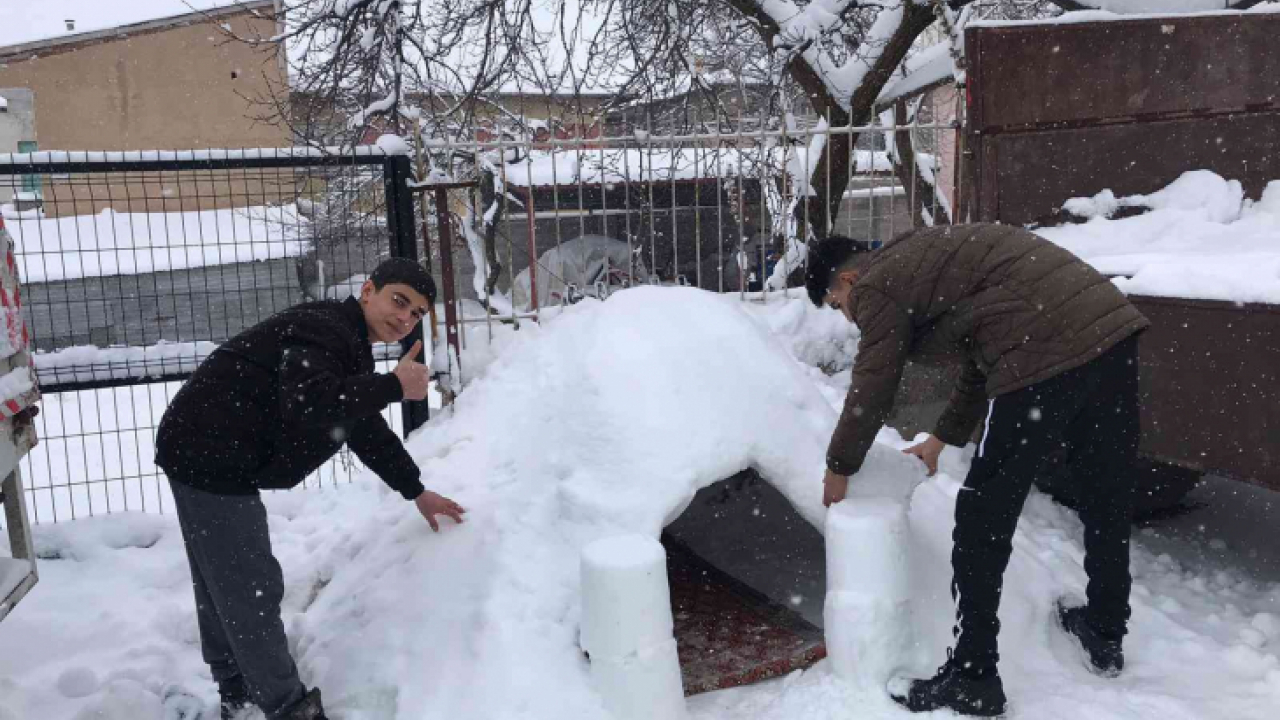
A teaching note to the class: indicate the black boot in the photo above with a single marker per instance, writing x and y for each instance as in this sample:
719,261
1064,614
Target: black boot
234,696
1104,655
954,688
308,708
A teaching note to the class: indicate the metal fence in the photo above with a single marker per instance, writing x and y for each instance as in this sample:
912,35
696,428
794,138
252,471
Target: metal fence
562,219
136,265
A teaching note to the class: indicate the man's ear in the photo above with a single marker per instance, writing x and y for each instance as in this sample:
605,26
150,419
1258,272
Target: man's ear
366,290
849,276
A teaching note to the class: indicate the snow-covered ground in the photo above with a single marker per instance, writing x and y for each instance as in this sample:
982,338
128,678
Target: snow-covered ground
116,243
601,421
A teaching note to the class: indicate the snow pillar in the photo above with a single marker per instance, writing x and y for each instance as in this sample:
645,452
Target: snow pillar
627,628
868,606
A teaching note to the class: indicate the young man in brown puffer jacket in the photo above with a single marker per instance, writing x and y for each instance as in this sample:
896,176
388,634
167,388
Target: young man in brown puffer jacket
1049,348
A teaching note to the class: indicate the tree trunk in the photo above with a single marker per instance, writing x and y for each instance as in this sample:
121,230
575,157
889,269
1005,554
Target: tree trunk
829,176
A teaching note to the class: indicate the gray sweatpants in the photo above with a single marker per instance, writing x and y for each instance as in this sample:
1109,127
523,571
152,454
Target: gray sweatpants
239,586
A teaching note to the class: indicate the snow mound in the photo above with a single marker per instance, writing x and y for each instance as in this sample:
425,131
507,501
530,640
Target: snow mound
605,423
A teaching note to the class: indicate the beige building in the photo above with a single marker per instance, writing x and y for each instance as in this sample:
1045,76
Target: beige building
173,83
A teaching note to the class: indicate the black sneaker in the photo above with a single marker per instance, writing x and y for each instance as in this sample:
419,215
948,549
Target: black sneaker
953,688
234,695
308,708
1103,655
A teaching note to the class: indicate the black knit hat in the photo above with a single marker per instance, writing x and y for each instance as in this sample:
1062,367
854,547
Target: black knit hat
407,272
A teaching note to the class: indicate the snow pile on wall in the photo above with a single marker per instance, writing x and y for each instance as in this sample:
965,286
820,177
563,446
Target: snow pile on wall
1201,238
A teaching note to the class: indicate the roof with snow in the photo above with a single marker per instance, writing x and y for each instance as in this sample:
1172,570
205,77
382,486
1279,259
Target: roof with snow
31,26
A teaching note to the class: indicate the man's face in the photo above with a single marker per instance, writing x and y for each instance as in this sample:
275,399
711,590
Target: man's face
392,312
837,297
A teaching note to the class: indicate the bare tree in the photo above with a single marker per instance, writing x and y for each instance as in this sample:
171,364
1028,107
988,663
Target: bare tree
359,67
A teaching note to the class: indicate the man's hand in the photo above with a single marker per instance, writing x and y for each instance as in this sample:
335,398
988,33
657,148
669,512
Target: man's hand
414,376
432,504
834,488
928,451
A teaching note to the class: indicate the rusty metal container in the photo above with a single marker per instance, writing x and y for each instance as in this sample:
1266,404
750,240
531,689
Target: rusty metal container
1057,111
1067,110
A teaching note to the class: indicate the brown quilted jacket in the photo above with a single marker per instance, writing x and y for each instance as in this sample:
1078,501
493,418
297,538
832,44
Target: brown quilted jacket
1015,308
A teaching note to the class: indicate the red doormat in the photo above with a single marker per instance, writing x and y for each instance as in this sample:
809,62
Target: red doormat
728,634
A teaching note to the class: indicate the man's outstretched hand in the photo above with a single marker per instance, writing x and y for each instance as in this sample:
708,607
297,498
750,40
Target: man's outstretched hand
928,451
432,504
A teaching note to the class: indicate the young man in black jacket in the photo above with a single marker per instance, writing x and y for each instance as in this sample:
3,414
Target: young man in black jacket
263,411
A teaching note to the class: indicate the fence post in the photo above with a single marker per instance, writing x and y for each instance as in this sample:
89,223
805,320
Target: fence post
397,172
451,325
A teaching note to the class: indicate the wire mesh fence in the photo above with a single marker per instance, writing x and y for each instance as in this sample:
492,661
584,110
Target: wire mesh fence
136,265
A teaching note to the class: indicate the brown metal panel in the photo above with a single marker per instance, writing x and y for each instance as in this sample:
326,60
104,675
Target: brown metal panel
1210,377
1090,73
1038,172
988,200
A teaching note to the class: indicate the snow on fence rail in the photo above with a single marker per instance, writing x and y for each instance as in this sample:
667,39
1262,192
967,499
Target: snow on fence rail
67,157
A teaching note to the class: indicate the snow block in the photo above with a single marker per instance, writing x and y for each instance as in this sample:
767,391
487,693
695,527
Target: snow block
627,628
868,549
867,612
868,640
643,686
626,600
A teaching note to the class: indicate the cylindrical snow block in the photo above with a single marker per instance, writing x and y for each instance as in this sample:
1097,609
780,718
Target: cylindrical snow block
867,613
642,686
868,640
626,602
868,549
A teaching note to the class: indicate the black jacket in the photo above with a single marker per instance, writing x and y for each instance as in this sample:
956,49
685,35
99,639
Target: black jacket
275,402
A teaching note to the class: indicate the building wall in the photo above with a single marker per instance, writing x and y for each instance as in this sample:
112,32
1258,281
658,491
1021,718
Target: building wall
170,88
180,87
